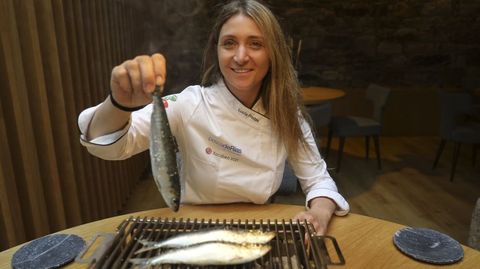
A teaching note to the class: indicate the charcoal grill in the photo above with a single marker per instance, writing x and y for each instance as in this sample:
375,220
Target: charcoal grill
289,247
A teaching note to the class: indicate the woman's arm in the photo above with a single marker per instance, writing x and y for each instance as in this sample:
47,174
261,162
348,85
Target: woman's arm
323,198
107,119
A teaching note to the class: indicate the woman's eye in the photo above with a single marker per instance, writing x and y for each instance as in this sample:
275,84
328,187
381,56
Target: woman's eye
256,45
228,44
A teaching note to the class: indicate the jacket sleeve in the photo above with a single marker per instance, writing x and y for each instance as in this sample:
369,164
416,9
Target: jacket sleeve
311,171
135,136
122,144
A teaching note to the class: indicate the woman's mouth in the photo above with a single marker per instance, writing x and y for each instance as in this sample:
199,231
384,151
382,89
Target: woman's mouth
241,70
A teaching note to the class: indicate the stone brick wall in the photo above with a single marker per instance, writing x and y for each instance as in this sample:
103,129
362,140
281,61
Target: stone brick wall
179,30
401,43
411,45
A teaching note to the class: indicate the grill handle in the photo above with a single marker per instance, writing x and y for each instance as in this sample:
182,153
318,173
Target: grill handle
321,239
99,251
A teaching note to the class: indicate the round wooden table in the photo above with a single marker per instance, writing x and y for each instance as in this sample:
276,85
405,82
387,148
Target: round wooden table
364,241
316,95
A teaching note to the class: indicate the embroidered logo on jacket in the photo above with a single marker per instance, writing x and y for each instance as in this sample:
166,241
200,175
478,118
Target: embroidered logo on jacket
248,115
172,97
229,149
225,146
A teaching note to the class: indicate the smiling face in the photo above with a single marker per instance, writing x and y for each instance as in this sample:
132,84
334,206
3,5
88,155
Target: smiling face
242,57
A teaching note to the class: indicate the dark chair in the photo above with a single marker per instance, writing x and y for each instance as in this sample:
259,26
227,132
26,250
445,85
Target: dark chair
474,234
289,182
321,115
456,125
348,126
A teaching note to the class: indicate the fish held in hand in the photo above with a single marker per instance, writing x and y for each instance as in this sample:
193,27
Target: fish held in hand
207,254
213,235
163,154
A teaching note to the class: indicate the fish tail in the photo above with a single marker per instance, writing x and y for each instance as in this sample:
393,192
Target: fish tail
141,263
146,246
147,243
145,249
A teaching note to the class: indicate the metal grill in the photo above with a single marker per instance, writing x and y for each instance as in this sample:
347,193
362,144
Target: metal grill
289,249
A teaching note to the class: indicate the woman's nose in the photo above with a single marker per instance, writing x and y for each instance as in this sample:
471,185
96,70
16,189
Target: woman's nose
241,55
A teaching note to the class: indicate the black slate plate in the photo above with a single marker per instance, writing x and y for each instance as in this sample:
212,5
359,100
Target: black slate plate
50,251
428,245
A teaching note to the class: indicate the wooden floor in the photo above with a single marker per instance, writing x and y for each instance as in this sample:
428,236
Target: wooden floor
405,191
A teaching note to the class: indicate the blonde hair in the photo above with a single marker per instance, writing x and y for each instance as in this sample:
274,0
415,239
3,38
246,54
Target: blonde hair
281,91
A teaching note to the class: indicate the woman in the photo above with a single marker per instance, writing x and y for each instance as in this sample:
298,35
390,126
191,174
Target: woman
234,131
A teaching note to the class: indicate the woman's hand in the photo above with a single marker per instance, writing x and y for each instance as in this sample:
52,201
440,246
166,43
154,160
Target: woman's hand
319,214
131,84
133,81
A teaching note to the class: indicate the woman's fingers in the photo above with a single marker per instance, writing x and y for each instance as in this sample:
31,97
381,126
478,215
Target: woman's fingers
134,74
160,69
147,73
304,216
134,80
318,224
120,79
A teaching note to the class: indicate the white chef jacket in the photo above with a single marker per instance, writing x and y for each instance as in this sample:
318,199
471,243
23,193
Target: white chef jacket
229,152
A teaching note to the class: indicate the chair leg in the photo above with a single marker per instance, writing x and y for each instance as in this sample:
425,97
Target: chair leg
340,152
439,152
456,153
376,140
329,142
367,146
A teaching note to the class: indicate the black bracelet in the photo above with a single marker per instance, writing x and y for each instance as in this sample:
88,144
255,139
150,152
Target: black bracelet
123,108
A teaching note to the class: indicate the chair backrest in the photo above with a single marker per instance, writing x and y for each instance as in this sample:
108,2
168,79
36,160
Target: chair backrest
320,114
452,106
474,234
379,96
289,181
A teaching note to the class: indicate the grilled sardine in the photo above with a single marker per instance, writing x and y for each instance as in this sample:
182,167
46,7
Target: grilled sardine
163,154
207,254
213,235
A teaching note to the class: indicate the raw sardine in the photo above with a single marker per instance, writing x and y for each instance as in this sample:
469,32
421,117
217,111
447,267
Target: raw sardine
163,154
207,254
213,235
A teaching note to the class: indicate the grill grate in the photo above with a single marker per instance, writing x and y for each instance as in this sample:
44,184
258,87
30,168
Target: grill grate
289,248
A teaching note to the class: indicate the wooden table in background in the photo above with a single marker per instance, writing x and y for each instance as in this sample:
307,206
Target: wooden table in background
316,95
364,241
